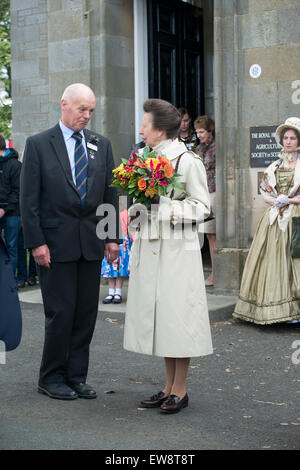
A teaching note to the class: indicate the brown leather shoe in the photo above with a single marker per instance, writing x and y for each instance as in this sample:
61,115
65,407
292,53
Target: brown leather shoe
173,404
155,401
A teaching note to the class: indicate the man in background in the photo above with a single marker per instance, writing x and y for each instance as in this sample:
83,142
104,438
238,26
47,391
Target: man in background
10,169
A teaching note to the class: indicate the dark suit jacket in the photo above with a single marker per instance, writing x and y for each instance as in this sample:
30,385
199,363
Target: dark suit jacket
50,204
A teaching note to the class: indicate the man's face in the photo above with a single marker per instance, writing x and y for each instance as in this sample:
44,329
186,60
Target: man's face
77,112
185,123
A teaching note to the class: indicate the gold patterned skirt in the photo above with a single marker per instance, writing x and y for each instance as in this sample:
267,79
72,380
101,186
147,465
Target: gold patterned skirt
270,287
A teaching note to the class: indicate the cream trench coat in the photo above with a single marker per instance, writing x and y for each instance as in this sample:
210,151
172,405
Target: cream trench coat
167,311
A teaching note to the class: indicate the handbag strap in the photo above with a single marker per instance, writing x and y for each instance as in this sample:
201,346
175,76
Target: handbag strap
176,171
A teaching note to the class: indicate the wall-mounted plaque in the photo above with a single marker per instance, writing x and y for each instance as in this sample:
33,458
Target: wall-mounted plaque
263,146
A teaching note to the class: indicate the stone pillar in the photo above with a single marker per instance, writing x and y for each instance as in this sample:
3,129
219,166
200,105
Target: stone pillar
59,42
112,71
248,32
29,47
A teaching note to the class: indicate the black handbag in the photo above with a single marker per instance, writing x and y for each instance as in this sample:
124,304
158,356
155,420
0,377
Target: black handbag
295,239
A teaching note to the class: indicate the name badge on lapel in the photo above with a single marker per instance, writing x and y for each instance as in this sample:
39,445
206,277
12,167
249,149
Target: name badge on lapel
92,146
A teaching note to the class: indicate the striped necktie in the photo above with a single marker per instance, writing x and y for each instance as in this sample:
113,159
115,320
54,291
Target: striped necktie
81,167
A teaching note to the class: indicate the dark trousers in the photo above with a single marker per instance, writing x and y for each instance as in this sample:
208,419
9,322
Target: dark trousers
70,295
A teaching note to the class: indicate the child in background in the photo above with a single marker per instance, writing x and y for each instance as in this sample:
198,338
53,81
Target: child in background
118,269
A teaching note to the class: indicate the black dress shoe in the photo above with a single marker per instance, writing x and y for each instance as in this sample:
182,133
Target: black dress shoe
21,284
155,401
108,299
173,404
117,299
60,391
84,390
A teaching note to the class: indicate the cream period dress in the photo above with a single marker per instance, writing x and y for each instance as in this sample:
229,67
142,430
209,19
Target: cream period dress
270,287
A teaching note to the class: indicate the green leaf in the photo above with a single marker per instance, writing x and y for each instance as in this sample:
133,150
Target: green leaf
146,151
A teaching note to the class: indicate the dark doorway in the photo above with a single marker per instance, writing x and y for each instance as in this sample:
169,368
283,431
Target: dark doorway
175,42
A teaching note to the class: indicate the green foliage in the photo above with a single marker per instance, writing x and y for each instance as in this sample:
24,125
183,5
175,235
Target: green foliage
5,121
5,66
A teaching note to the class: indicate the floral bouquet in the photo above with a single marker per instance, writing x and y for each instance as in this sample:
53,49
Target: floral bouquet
144,176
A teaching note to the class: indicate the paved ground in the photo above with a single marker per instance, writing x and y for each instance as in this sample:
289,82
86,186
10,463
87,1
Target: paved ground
244,396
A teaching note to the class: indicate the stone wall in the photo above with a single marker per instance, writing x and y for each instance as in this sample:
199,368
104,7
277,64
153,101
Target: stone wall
58,42
30,85
264,32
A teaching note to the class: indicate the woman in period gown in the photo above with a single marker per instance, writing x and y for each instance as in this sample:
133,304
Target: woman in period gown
270,287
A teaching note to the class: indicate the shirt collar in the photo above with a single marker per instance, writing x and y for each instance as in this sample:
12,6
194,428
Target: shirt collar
67,132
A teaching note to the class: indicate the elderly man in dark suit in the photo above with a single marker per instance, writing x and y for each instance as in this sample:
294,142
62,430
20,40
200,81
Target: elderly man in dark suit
65,177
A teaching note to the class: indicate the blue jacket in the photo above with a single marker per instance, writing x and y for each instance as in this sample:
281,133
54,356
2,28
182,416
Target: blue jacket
10,310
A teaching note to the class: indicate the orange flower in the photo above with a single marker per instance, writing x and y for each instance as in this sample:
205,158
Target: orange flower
142,184
169,170
164,161
150,192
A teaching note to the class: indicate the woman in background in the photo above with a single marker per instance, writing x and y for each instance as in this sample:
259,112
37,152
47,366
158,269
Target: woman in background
270,287
205,130
186,133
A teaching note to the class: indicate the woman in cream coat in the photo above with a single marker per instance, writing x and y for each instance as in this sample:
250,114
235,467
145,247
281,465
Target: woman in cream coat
167,312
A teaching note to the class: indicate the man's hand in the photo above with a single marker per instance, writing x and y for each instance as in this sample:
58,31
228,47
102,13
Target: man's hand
2,213
41,256
111,252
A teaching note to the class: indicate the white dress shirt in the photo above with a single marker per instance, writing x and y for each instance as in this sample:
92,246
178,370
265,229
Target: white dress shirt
70,144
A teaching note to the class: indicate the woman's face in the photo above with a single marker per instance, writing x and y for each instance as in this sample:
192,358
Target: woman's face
151,136
203,135
290,141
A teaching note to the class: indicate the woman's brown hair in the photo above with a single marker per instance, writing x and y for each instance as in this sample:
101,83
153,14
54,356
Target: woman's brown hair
289,129
165,116
205,122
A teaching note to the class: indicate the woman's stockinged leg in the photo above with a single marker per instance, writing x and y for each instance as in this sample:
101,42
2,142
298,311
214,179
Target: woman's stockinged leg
176,373
182,365
170,364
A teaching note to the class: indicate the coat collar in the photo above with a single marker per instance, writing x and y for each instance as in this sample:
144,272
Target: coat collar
171,148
